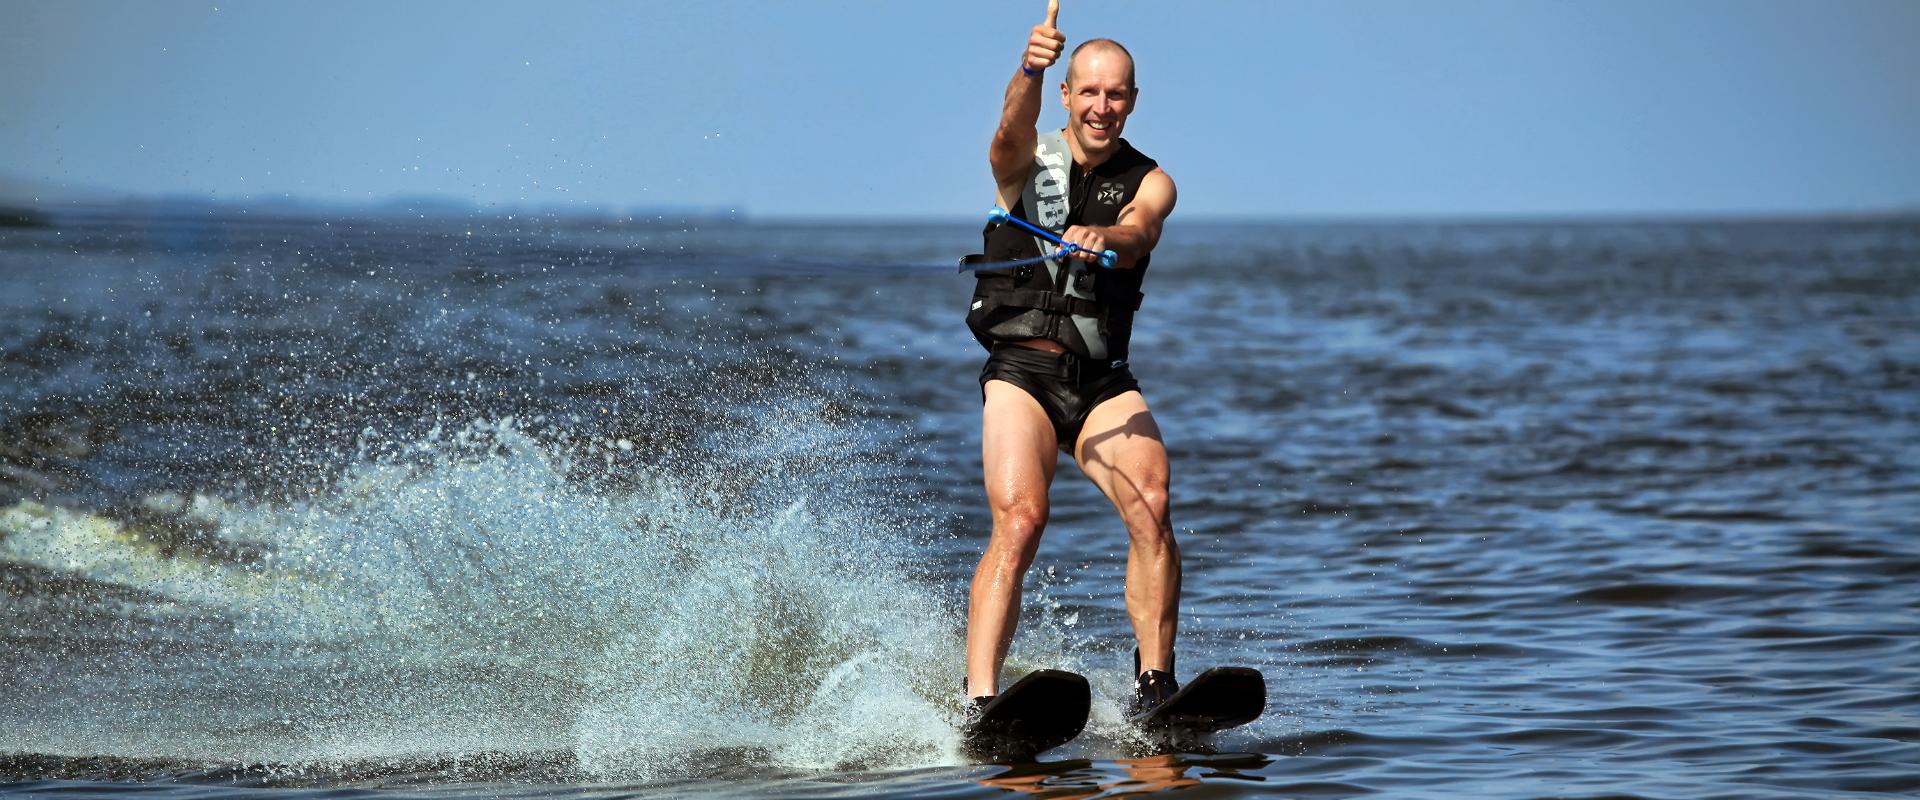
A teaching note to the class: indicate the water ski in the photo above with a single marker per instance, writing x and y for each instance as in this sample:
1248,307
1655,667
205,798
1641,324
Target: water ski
1041,711
1220,698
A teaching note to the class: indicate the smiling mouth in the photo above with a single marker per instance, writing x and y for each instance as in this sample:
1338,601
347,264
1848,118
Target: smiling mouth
1098,126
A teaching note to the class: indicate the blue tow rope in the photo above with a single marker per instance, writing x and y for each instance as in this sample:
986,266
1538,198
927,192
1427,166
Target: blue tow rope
994,265
1107,257
998,214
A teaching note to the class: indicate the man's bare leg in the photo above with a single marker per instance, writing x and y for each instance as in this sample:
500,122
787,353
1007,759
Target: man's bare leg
1121,451
1020,452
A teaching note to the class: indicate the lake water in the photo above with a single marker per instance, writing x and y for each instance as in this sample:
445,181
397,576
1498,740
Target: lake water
565,509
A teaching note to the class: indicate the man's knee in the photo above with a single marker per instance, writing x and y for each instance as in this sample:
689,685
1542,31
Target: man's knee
1145,507
1016,537
1020,520
1153,498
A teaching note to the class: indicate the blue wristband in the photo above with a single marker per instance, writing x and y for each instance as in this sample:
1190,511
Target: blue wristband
1027,72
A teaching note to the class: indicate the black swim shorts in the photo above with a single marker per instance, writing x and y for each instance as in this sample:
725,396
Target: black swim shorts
1067,386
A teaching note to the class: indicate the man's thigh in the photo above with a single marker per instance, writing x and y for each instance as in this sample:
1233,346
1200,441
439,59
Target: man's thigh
1121,451
1017,446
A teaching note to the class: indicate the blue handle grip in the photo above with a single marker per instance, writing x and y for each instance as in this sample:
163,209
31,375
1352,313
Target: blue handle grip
998,214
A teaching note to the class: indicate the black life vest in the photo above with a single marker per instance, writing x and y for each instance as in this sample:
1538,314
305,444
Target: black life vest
1086,308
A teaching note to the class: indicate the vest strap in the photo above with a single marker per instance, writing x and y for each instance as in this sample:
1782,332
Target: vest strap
1007,293
1051,302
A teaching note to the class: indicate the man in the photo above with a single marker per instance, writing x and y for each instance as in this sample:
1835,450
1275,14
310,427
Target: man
1057,377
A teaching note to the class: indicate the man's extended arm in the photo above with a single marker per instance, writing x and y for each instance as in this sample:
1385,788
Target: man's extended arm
1133,235
1011,152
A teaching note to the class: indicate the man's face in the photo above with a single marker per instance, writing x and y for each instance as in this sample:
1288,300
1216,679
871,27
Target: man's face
1098,100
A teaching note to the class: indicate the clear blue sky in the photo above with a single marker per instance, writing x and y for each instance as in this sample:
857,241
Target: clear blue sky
870,108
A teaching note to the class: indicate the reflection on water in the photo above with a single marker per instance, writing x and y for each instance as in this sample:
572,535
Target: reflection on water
1121,777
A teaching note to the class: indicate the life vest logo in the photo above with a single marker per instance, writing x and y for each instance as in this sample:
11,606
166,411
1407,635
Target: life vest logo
1109,193
1046,193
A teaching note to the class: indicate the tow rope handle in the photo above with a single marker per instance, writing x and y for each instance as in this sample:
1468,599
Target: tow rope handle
998,214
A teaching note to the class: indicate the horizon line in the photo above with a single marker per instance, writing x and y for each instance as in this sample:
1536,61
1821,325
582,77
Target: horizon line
451,208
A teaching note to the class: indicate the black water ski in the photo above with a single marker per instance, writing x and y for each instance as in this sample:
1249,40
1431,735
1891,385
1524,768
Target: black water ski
1041,711
1220,698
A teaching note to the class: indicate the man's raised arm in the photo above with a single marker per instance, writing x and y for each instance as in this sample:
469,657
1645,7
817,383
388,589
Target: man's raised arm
1011,153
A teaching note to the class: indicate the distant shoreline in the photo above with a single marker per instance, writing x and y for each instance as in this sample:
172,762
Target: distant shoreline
197,212
17,215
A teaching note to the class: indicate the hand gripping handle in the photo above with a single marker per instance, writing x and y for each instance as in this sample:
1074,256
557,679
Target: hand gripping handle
998,214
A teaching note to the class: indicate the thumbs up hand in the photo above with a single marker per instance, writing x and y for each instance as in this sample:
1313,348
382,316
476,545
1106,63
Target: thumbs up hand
1046,43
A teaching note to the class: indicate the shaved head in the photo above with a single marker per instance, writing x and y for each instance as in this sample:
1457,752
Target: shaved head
1093,47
